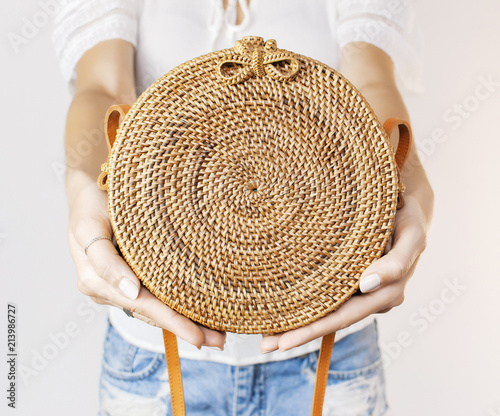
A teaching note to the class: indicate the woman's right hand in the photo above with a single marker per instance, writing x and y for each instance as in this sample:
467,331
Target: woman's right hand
105,276
105,76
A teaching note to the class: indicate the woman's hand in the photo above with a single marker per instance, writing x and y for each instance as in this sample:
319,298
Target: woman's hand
382,284
106,277
105,76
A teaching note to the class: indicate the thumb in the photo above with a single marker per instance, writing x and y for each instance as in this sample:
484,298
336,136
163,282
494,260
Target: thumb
111,267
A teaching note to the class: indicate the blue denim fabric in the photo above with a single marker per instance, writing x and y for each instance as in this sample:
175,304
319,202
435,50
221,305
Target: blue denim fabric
135,382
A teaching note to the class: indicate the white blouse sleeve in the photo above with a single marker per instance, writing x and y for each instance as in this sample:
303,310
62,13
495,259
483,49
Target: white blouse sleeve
81,24
389,25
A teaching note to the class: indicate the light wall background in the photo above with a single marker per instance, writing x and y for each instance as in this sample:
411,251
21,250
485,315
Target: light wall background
441,347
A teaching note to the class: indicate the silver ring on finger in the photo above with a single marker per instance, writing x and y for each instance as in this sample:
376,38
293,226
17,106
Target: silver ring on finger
103,237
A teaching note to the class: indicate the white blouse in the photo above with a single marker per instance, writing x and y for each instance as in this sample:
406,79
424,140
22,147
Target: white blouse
166,33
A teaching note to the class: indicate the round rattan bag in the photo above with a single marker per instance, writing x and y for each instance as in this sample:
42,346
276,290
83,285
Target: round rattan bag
250,187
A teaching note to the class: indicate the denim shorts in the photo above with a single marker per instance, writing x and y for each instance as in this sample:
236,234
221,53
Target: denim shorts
134,382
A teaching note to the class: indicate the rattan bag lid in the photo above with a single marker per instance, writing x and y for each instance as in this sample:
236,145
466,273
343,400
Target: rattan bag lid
250,187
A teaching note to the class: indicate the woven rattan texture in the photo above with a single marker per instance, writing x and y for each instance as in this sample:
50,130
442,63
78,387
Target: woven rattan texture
251,207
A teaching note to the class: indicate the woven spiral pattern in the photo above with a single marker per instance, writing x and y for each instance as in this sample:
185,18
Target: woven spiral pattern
251,207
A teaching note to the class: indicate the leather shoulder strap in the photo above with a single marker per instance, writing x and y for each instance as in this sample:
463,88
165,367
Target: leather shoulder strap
325,354
172,354
174,374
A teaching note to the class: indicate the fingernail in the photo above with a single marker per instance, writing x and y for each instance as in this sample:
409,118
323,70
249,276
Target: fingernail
369,283
215,348
128,288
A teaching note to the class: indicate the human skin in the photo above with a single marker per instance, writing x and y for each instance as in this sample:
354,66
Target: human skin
372,72
105,76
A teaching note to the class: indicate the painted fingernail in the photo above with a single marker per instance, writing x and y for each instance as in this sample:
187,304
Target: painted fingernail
128,288
369,283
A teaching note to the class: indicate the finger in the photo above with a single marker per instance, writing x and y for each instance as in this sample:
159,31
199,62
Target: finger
89,282
395,267
382,282
151,310
269,343
111,267
397,262
102,256
354,310
99,301
214,338
91,223
388,246
145,307
147,304
106,277
210,338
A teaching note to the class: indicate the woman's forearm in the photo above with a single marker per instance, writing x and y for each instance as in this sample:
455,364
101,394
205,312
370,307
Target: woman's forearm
386,102
86,147
105,76
372,72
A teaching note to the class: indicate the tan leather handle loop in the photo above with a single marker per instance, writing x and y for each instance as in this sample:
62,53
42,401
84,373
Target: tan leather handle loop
405,138
111,124
403,150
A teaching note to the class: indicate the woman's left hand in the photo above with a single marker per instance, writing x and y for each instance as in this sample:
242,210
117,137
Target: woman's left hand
382,284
